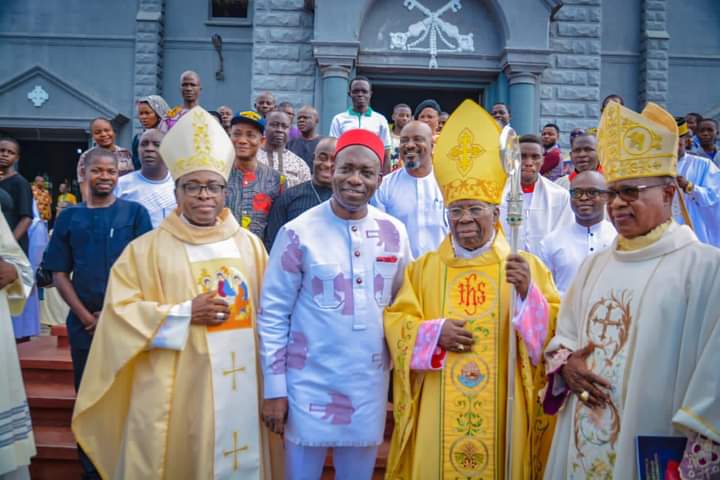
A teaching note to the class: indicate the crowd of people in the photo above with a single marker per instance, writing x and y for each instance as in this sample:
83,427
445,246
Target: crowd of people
241,292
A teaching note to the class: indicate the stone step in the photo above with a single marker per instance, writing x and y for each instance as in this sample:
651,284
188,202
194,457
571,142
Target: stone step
51,404
42,361
57,455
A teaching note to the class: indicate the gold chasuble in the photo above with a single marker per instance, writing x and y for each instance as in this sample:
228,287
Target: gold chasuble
147,412
451,423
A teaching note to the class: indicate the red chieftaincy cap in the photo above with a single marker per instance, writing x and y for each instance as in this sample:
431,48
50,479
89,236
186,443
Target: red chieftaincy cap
362,137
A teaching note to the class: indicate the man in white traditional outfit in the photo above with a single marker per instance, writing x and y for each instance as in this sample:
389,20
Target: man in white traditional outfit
411,194
638,334
565,248
17,445
171,386
699,179
331,272
546,206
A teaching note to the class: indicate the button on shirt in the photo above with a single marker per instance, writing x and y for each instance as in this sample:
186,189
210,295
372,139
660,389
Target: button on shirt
370,121
565,248
417,203
86,242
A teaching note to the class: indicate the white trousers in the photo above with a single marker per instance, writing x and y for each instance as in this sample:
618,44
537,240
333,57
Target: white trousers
351,463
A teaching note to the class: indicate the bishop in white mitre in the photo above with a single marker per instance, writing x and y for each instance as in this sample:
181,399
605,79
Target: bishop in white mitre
171,384
637,346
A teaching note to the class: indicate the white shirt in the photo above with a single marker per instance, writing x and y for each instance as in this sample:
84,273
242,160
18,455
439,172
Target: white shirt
157,196
565,248
370,121
418,203
544,210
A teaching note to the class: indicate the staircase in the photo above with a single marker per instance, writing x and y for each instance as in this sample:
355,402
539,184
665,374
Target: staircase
47,372
48,375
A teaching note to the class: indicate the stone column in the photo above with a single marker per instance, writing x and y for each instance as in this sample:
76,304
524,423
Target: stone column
148,51
654,48
523,88
336,61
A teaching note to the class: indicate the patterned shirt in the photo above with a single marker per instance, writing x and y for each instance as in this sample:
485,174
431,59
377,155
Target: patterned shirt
290,166
251,194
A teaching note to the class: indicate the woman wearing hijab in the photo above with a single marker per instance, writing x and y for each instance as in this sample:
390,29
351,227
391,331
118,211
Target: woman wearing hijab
151,110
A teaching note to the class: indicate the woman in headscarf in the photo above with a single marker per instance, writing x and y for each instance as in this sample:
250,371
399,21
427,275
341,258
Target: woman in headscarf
151,110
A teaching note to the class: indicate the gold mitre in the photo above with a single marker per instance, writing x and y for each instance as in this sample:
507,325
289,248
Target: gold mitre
634,145
197,142
466,159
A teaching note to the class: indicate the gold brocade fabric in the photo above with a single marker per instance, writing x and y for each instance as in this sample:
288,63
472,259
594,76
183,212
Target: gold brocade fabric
451,423
630,244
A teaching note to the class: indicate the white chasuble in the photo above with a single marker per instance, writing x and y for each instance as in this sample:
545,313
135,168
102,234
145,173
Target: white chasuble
652,314
216,267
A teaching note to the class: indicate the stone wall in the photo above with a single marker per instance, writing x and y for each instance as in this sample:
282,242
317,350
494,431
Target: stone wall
148,51
282,55
654,46
570,86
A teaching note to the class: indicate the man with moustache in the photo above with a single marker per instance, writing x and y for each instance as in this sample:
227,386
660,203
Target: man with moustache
637,346
252,186
172,382
583,154
303,197
448,330
87,240
151,186
274,153
331,272
411,194
546,206
304,145
565,248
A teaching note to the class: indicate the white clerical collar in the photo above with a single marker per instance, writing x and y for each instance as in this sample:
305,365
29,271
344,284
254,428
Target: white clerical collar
184,219
461,252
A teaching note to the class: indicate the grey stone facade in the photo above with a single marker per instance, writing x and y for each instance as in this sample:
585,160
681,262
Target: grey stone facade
148,50
570,87
282,55
654,48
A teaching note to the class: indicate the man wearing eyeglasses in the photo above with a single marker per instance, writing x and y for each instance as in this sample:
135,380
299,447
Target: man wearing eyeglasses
637,347
448,330
172,382
567,246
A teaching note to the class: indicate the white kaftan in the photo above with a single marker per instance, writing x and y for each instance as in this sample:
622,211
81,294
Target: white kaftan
703,203
546,209
565,248
418,204
321,331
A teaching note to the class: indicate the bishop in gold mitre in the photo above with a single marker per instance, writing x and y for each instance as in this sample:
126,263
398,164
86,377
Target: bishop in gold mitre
171,384
637,347
448,329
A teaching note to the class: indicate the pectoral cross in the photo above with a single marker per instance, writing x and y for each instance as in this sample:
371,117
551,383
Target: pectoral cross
234,452
233,370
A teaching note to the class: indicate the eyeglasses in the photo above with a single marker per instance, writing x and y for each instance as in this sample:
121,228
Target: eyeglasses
629,193
193,189
591,193
456,213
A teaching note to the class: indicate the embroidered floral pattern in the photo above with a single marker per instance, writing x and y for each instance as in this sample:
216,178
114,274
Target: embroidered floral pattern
701,459
426,347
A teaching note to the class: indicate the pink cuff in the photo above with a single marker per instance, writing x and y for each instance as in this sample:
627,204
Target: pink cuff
701,459
427,355
556,392
531,322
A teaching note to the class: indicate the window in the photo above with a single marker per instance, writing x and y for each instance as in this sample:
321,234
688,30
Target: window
229,9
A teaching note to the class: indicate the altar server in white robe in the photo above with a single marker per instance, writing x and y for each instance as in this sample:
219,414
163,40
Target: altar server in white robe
16,437
546,205
637,346
411,194
699,179
565,248
331,273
